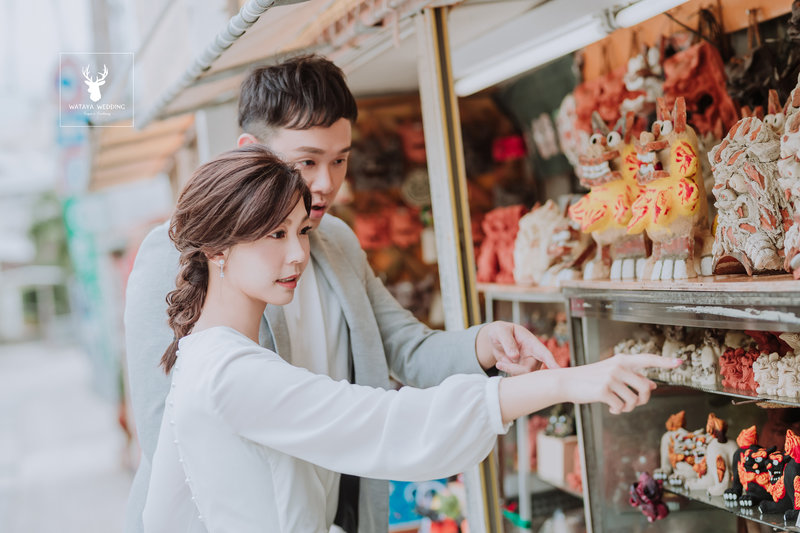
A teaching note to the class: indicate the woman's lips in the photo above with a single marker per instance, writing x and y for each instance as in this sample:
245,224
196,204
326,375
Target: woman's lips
289,283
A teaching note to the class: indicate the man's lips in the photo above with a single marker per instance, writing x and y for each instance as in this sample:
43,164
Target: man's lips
318,210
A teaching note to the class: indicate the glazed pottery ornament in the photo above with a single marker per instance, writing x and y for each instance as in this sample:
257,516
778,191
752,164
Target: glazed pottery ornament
757,471
644,80
688,450
751,208
536,229
672,208
676,424
718,461
647,494
766,372
496,258
736,368
789,376
608,169
789,172
705,361
785,491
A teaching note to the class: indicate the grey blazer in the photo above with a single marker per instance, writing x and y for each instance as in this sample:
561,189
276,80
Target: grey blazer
384,338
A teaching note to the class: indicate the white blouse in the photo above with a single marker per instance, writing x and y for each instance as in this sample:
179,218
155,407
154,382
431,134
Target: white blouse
249,443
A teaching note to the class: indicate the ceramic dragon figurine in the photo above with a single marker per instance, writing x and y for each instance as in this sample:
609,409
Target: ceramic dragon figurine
714,472
672,208
752,210
789,178
608,168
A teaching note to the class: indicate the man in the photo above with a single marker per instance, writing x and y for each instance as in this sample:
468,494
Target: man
342,322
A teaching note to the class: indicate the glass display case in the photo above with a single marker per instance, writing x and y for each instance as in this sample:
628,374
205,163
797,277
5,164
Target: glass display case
616,448
528,496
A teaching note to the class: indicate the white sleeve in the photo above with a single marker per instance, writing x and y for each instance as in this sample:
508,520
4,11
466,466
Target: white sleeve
410,434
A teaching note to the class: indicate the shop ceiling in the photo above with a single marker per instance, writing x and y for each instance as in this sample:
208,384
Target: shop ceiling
379,56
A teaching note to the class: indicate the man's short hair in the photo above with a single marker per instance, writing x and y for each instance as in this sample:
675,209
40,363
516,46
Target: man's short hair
300,93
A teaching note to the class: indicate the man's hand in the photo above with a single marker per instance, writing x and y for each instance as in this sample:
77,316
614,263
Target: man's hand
511,348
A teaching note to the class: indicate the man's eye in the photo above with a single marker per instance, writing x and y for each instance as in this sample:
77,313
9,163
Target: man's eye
278,234
306,163
341,161
305,230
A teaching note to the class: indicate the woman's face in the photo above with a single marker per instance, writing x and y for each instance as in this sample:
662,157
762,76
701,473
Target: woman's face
267,270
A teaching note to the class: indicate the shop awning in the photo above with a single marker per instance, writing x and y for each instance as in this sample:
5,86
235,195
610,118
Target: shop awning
122,155
371,40
213,75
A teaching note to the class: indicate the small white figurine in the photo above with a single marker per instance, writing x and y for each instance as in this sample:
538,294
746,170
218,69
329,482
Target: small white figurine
766,370
705,361
715,474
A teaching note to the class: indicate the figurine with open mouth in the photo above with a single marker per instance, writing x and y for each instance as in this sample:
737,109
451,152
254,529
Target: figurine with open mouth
672,208
608,170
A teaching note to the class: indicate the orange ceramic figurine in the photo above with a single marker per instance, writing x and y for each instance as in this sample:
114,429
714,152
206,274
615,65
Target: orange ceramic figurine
672,209
609,170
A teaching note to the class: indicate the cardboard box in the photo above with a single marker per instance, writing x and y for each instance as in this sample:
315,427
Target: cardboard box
555,457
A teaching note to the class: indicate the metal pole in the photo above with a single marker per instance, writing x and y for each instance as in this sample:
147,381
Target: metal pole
448,183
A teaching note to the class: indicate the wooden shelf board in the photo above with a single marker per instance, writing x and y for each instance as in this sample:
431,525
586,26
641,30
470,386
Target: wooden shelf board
772,520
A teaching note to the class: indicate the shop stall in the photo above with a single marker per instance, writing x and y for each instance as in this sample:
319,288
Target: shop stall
636,195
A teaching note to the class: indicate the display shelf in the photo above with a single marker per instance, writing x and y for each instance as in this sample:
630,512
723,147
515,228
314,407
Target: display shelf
602,313
536,485
769,303
726,283
736,393
754,515
517,293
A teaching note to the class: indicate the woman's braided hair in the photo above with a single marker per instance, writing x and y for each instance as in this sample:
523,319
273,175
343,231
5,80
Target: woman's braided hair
240,196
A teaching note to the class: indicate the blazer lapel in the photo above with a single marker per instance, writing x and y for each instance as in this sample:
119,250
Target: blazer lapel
349,292
276,324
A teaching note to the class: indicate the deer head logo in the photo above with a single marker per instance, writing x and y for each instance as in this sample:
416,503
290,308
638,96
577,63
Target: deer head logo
94,84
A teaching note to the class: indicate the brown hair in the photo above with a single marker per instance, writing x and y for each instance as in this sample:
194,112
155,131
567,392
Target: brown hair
240,196
300,93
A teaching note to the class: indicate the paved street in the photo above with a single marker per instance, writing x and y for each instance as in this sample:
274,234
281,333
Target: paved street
61,467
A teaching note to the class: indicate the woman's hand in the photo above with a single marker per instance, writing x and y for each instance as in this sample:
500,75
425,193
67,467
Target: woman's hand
616,381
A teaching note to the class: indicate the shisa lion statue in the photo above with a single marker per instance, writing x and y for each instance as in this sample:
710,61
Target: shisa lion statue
547,249
789,171
752,211
672,208
705,361
608,169
714,471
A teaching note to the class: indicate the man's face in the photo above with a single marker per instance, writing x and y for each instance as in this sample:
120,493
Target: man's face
321,156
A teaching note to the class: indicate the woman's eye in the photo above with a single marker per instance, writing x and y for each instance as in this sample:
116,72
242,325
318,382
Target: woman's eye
340,161
305,230
306,163
278,234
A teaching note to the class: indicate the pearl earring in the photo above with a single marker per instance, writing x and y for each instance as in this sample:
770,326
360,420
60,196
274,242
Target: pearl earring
221,263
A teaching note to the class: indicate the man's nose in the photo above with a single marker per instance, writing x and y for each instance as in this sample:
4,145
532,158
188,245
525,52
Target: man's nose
322,182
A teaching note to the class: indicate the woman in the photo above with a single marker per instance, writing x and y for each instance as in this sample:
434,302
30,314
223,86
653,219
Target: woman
251,443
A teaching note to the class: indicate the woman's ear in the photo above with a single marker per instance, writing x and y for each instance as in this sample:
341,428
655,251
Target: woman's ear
246,138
